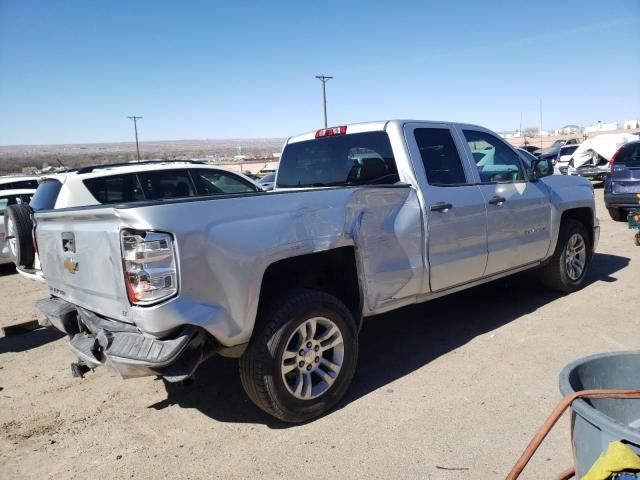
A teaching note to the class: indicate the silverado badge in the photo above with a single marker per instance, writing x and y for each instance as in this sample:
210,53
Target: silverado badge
70,266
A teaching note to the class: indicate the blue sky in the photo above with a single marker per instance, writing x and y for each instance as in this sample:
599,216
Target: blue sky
71,71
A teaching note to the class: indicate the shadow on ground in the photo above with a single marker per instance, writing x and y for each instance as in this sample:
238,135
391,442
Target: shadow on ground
28,340
392,345
7,269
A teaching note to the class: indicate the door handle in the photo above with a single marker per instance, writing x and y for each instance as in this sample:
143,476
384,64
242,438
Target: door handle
497,200
441,207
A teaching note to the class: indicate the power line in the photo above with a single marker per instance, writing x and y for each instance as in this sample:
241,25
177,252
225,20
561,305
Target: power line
135,119
324,79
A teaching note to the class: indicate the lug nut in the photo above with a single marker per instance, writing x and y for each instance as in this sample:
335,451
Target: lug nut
317,359
317,347
308,367
301,364
308,344
301,352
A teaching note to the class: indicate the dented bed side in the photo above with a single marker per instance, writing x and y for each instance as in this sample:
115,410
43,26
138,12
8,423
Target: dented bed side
225,245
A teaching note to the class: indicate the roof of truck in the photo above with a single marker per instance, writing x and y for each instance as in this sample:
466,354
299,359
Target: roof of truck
375,126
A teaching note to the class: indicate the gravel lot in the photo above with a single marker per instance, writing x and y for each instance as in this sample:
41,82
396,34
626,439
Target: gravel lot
451,389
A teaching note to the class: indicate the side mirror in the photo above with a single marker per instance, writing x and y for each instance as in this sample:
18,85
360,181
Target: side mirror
541,167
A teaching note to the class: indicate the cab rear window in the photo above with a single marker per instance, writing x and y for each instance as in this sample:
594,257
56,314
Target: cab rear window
340,160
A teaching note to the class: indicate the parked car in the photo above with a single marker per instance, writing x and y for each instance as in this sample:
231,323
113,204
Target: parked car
267,182
15,182
117,183
7,240
591,158
622,185
365,218
555,146
563,157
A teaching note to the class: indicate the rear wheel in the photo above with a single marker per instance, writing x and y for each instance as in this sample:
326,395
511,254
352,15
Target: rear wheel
18,229
302,356
618,214
567,269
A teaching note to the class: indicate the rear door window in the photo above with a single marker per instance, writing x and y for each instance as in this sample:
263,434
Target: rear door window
340,160
46,195
211,182
440,157
165,184
115,188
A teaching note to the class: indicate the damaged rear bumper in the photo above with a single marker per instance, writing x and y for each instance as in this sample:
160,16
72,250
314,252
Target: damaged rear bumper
123,349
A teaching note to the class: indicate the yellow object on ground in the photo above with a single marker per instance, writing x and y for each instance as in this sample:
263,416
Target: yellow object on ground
618,458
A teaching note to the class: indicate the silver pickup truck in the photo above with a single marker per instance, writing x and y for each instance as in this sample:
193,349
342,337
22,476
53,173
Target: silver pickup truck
364,219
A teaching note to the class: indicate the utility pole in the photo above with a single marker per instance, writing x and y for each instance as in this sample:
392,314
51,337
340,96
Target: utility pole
324,79
520,130
135,128
540,132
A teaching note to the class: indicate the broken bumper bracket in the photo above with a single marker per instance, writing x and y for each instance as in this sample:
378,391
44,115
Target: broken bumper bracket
125,350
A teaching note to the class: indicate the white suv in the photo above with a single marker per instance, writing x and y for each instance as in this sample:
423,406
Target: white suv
112,184
564,155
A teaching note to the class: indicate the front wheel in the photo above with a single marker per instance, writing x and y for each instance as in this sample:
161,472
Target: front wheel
567,269
301,357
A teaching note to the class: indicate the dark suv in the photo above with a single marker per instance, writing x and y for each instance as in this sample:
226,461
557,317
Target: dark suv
622,185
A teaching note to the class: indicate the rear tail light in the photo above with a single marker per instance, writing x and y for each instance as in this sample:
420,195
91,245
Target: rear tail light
330,132
149,263
613,159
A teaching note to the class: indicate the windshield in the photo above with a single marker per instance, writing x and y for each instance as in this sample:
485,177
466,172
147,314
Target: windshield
341,160
568,150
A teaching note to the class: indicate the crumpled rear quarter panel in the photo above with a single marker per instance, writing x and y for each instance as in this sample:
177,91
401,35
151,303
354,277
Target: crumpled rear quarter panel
225,245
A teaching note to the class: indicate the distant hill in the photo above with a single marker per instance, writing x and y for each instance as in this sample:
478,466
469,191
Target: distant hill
19,158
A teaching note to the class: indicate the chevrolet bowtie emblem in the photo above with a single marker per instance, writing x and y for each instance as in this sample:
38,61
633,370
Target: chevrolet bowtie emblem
70,266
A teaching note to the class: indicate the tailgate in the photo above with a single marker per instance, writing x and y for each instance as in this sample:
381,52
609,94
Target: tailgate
625,180
80,256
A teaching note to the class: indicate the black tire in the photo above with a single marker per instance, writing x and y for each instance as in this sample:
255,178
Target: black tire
260,366
554,275
20,216
618,214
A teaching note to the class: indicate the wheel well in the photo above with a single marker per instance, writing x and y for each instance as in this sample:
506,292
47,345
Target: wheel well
583,215
333,271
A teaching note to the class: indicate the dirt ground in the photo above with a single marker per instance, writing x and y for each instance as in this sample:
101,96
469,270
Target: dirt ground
451,389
